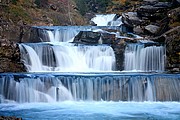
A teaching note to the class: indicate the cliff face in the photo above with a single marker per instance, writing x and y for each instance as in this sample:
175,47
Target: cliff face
17,16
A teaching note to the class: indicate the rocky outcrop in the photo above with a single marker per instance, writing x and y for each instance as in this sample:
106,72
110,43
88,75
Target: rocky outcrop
89,37
130,19
36,35
172,40
161,22
10,57
149,19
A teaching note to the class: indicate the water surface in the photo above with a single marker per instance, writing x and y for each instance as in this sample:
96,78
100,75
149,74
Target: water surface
81,110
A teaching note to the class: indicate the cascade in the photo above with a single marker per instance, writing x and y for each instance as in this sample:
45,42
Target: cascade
67,80
67,58
138,57
88,87
62,35
107,20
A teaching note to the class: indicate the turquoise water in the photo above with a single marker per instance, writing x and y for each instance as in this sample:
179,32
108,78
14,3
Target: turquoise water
84,110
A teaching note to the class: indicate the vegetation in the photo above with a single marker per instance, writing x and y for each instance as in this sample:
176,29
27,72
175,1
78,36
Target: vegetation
18,13
96,6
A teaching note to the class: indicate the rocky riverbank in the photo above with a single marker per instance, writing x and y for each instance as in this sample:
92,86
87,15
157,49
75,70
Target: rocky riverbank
160,22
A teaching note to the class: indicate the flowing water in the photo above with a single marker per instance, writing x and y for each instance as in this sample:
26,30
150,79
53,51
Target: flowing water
70,81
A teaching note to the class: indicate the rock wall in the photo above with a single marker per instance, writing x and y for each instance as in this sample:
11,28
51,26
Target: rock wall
10,57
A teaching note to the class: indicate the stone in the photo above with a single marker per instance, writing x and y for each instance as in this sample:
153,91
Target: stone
92,23
154,11
131,19
87,37
53,7
108,38
138,30
119,49
152,29
10,57
171,39
36,35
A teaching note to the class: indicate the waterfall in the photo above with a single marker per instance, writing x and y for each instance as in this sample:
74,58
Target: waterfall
67,57
62,35
107,20
138,57
34,60
111,87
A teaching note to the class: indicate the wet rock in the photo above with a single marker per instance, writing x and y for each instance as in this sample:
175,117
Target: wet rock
108,38
92,23
10,57
152,29
119,48
37,35
171,39
131,19
89,37
89,16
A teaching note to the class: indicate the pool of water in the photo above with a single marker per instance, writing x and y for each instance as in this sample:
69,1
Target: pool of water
84,110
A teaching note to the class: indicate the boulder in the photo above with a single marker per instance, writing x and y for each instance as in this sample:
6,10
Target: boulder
89,37
152,29
108,38
138,30
131,19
